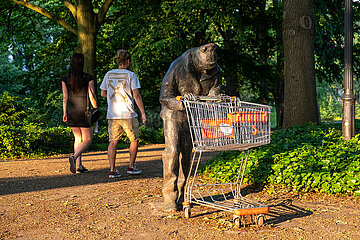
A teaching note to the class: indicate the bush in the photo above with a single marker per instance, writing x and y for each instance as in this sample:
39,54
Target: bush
149,135
11,110
304,158
36,140
32,140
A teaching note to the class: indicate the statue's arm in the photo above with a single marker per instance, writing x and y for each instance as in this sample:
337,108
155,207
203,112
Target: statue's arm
168,92
216,88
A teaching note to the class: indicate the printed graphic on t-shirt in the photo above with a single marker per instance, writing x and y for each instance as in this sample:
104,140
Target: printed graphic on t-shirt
117,85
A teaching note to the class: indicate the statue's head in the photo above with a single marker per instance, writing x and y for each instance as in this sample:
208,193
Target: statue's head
206,56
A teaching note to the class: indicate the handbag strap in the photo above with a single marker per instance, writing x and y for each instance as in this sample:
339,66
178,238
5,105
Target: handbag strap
87,98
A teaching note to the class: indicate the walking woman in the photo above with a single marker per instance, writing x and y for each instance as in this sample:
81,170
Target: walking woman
77,87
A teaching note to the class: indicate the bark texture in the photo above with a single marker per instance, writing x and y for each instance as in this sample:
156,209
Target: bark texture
87,34
300,103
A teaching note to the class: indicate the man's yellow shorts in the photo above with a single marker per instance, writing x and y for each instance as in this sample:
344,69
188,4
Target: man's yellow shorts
117,127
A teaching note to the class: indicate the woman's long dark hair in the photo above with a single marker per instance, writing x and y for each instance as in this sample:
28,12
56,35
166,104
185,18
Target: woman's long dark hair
76,71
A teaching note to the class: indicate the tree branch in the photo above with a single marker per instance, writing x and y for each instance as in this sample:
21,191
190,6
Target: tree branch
102,12
47,14
70,6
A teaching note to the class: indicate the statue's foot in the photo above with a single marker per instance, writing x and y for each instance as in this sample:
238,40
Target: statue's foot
170,207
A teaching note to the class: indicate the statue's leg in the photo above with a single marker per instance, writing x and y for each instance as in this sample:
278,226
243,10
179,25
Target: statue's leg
185,149
170,159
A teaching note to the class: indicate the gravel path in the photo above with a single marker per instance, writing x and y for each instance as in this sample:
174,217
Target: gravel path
41,199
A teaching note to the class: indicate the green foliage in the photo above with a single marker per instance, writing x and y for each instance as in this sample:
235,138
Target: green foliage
330,103
149,135
329,28
21,138
11,110
303,158
248,33
32,140
35,140
14,110
9,72
35,52
329,100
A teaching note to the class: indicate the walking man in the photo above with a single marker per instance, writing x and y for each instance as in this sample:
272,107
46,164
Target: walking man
121,87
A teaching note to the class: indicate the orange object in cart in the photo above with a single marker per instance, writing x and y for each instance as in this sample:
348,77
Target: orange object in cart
220,128
216,128
249,117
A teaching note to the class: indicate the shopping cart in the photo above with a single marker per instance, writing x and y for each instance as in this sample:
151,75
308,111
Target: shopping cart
223,124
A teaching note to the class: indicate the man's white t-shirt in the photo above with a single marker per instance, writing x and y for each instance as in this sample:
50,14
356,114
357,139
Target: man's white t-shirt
119,84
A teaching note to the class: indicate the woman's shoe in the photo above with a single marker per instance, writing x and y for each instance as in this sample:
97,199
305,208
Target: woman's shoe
82,170
72,164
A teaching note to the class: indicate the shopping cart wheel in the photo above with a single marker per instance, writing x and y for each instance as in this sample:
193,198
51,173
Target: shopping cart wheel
260,219
187,211
237,221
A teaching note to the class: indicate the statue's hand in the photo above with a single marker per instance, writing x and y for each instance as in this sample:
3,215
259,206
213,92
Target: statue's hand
223,95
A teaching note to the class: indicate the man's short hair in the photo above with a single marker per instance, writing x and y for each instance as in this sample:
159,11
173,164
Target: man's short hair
123,56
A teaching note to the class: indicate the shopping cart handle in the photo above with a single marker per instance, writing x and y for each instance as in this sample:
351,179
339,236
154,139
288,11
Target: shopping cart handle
209,98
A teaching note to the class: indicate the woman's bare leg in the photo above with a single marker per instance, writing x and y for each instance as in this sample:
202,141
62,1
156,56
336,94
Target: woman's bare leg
78,139
83,138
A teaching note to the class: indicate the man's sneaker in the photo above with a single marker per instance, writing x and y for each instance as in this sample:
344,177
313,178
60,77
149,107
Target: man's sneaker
72,164
115,174
133,171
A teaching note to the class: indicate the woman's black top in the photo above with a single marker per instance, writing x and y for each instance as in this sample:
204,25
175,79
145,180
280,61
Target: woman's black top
77,102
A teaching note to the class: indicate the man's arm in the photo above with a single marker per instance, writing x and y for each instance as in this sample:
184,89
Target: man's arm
139,103
103,93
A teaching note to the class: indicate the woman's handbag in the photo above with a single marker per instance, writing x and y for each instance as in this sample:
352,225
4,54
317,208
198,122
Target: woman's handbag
91,115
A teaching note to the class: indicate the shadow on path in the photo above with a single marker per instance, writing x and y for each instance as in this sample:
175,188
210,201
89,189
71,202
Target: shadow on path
99,153
282,210
151,169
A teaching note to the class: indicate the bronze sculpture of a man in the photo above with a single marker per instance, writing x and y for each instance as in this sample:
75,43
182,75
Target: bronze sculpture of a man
195,72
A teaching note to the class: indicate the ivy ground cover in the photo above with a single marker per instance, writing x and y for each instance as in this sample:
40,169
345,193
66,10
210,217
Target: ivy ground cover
310,158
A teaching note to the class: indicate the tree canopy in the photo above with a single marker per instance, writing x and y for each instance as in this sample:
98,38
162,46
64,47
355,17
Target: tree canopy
83,18
36,47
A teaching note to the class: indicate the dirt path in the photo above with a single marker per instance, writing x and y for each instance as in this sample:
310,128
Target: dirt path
40,199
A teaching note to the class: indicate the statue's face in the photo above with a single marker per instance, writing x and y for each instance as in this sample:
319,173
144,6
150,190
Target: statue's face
207,56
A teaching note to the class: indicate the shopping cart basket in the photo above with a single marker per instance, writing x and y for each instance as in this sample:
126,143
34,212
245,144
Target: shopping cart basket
223,124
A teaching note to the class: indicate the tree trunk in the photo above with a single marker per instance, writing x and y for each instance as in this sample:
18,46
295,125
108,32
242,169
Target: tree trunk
87,35
279,90
299,67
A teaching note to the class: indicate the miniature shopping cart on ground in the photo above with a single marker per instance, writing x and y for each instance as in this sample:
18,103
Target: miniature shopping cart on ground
225,124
